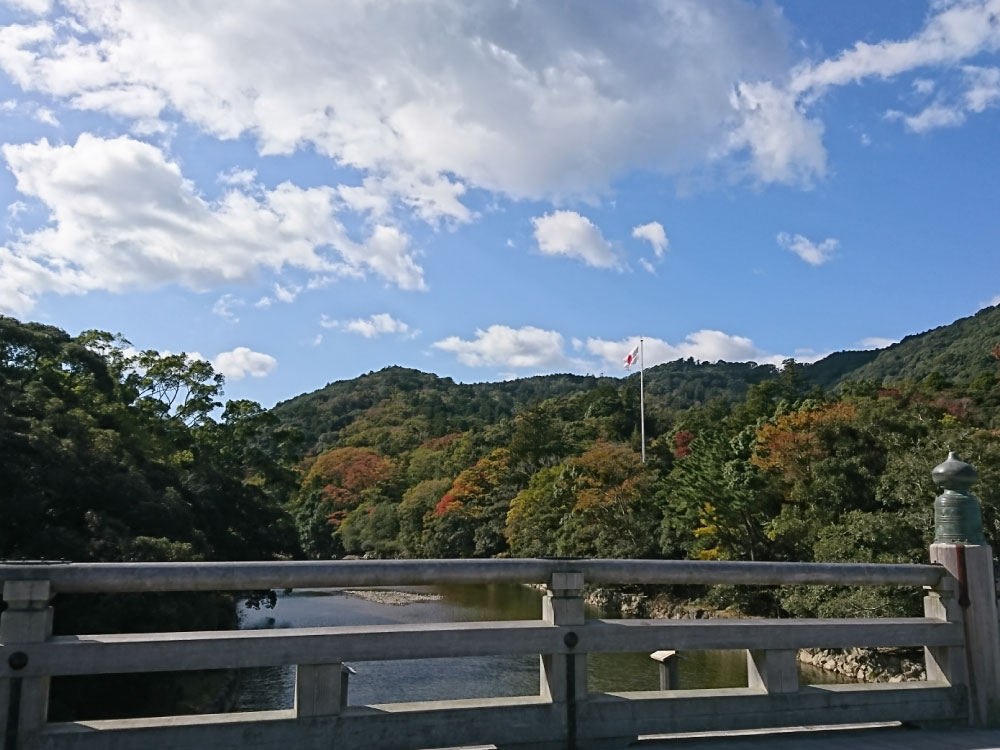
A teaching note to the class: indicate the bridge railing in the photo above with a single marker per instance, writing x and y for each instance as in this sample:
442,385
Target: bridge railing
561,711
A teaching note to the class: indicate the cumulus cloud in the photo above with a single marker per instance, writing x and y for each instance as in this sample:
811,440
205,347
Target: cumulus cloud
122,216
512,348
242,361
543,350
703,346
568,233
813,253
372,326
784,143
655,235
507,97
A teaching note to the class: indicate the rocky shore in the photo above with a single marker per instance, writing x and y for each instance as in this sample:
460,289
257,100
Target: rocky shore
865,664
390,596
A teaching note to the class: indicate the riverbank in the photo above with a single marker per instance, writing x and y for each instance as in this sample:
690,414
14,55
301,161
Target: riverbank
863,664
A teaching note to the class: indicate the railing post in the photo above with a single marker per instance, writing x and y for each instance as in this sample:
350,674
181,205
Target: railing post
27,619
320,689
564,676
773,670
666,660
563,605
945,663
960,547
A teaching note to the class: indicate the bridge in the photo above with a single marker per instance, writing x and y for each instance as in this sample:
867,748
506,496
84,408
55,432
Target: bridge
958,633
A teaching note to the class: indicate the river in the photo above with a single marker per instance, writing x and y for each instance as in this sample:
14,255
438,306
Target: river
443,679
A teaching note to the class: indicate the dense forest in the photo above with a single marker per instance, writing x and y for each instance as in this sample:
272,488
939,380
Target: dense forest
112,454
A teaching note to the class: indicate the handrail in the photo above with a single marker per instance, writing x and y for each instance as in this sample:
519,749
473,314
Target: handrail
563,710
156,652
246,576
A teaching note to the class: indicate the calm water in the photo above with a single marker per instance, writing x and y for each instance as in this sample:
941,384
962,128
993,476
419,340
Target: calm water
442,679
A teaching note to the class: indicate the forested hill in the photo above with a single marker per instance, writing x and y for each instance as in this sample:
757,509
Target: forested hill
959,352
397,408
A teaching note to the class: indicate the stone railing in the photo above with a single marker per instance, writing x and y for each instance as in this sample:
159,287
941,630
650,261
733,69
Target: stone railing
961,655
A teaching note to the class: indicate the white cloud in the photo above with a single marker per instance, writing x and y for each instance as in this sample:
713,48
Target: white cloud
815,254
958,31
923,86
38,7
785,143
991,303
370,196
46,116
286,294
506,96
122,216
568,233
983,88
877,342
647,266
703,346
242,361
511,348
933,117
655,235
225,306
980,91
243,178
372,326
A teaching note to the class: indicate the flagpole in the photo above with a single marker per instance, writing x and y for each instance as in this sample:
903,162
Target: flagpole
642,405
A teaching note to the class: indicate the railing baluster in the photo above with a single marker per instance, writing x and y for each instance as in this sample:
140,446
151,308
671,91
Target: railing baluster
563,605
773,670
945,663
320,689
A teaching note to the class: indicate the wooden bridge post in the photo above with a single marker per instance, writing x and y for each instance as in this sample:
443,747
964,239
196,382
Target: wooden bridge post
960,547
27,619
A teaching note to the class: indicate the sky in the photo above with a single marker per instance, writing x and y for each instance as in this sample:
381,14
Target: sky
488,189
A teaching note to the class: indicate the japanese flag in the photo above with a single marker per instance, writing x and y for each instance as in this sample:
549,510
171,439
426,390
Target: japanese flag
632,357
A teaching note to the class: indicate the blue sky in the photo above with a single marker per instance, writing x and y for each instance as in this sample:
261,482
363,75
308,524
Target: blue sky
493,189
